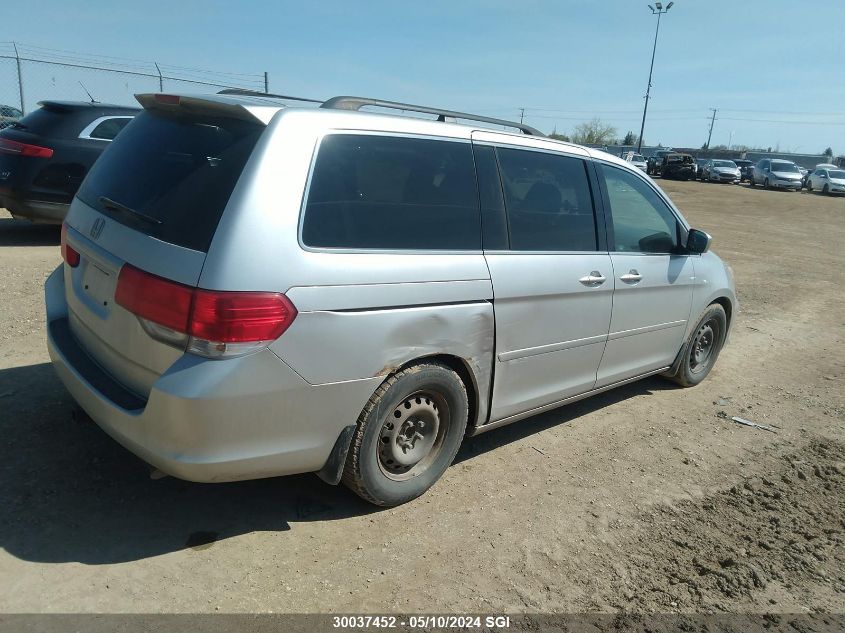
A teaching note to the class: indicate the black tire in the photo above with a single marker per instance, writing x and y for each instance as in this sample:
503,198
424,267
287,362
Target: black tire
809,186
433,395
697,360
750,182
826,190
766,184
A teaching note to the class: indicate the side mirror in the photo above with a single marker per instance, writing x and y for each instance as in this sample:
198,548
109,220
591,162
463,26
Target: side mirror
698,242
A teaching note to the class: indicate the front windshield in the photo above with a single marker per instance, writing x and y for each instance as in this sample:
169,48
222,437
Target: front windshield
787,167
724,163
837,174
637,158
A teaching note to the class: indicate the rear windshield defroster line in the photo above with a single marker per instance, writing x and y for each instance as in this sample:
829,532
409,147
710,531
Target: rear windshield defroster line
174,173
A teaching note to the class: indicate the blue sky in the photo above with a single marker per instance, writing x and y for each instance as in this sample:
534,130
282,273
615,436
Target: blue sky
775,69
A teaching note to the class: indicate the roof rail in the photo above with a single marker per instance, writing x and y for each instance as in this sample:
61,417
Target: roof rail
356,103
243,92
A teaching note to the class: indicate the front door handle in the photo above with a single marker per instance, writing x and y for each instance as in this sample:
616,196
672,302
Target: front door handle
595,278
631,277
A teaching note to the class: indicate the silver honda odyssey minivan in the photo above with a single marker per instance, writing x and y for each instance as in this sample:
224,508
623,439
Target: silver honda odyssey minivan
257,286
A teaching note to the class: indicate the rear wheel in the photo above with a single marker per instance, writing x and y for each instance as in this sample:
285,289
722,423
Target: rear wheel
702,349
407,435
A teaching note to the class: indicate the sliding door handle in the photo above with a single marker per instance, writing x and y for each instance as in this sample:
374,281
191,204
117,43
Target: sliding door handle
595,278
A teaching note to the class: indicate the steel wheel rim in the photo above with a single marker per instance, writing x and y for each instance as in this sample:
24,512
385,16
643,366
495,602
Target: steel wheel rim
411,435
703,346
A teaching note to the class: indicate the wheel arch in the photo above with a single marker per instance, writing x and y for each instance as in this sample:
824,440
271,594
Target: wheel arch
726,303
460,366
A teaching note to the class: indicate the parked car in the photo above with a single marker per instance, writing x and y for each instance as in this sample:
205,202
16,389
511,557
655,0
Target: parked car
828,181
637,160
745,168
224,323
677,166
654,161
45,156
806,180
776,174
8,115
720,170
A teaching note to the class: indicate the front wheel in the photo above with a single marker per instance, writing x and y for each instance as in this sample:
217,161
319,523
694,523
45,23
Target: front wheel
826,190
766,184
407,434
809,186
702,349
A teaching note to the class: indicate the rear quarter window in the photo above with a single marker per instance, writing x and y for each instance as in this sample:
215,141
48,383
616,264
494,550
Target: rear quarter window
106,130
171,176
383,192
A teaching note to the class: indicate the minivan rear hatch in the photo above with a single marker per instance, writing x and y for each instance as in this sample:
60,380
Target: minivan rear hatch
150,206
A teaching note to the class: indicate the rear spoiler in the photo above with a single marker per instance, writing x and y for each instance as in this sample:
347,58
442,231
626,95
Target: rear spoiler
215,105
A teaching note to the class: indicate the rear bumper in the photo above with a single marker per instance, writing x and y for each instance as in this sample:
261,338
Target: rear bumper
210,420
36,210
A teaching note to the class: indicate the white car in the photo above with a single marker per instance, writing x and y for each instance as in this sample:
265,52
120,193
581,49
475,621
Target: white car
827,180
637,160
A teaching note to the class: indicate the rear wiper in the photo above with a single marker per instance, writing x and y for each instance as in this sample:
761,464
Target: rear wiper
111,205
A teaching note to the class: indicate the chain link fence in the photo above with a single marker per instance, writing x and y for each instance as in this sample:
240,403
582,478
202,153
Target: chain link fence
29,74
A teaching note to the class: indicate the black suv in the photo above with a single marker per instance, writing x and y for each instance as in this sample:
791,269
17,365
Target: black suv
45,156
745,168
678,166
654,161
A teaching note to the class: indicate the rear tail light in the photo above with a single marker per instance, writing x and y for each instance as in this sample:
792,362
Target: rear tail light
8,146
210,323
69,254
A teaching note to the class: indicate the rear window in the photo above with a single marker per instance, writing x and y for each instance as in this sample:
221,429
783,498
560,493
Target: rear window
171,176
383,192
49,122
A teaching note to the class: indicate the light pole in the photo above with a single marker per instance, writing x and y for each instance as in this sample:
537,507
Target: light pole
657,10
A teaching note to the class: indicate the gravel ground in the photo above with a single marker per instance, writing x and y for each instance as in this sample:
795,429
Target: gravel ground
643,499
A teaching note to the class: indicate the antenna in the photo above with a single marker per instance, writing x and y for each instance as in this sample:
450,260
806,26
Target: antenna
93,100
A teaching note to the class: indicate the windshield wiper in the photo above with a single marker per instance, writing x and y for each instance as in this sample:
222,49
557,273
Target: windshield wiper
111,205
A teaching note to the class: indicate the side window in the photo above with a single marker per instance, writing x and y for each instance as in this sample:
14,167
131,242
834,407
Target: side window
641,221
109,128
548,200
385,192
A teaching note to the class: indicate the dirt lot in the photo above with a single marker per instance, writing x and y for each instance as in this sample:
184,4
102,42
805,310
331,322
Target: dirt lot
647,498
